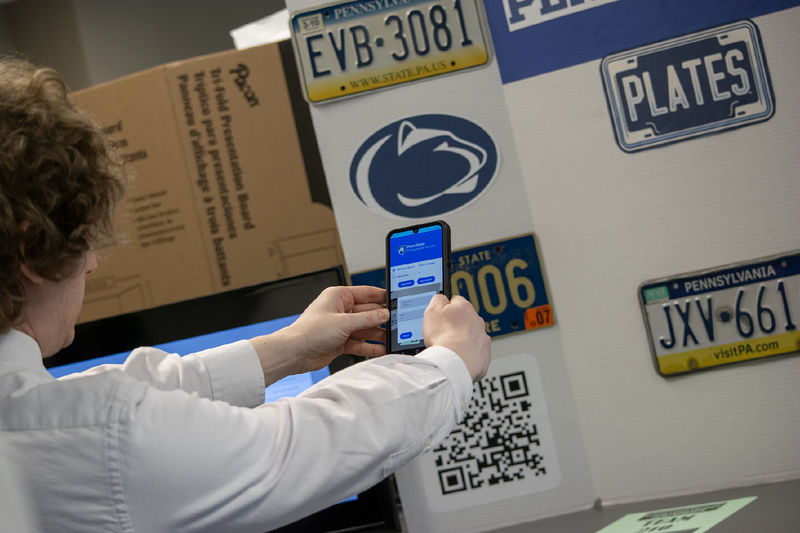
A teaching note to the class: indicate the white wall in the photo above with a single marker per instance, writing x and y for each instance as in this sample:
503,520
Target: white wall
44,32
609,221
5,35
126,36
92,41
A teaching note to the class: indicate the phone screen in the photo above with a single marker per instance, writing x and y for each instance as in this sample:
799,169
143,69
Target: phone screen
418,263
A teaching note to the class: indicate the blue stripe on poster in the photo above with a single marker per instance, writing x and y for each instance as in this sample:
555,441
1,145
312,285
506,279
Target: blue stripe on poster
591,34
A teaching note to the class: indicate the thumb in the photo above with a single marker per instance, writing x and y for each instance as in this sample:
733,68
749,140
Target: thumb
438,302
365,319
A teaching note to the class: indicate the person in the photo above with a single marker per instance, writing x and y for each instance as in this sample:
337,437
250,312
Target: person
170,443
15,507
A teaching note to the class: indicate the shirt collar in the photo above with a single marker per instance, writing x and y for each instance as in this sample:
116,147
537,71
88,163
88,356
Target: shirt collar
20,351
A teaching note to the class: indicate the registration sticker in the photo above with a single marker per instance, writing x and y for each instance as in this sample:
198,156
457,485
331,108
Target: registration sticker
504,280
692,85
359,46
724,315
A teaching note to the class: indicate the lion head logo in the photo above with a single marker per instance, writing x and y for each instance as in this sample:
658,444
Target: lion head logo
423,166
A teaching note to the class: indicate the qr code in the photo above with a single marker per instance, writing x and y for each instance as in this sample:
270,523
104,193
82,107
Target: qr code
497,442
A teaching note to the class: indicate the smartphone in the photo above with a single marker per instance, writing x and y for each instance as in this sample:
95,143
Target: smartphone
418,266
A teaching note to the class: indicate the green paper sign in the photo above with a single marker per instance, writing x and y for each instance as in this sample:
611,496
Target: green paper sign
695,518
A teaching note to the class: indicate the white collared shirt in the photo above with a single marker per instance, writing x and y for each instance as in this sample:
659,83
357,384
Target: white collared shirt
169,443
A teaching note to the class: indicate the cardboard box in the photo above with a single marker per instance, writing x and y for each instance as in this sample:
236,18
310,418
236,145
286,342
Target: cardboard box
219,196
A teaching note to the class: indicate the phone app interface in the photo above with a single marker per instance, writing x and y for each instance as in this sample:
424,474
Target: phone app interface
415,271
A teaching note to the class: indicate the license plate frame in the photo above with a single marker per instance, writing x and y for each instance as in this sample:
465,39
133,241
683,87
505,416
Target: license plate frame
724,315
354,47
678,101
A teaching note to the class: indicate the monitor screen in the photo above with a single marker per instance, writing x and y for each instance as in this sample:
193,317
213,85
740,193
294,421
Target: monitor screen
194,325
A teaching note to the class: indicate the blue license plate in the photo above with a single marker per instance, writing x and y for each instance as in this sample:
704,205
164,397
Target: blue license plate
504,280
693,85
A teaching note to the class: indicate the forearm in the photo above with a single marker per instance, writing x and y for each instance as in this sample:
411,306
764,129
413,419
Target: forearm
230,373
277,354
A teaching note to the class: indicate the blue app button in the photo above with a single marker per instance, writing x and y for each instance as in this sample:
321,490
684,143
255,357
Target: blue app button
406,283
405,335
426,279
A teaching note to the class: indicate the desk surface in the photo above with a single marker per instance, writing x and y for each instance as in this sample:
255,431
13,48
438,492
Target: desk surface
775,510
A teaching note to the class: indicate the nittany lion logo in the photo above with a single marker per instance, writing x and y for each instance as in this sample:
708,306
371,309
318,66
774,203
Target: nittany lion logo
423,166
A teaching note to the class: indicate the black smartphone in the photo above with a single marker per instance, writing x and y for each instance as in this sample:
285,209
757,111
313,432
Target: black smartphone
418,266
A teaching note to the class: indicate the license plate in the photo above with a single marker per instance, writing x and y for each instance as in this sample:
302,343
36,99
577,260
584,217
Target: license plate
692,85
504,280
725,315
354,47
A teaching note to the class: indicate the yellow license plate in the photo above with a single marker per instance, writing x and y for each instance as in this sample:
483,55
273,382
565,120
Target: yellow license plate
355,47
725,315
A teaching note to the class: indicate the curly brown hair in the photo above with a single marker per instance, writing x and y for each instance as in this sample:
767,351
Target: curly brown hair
59,182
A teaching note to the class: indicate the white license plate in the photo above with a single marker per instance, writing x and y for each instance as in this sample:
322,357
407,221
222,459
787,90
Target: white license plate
359,46
726,315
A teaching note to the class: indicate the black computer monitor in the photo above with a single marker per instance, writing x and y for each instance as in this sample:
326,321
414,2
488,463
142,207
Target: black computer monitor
193,325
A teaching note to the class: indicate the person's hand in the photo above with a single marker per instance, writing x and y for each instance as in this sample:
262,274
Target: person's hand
454,324
340,320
